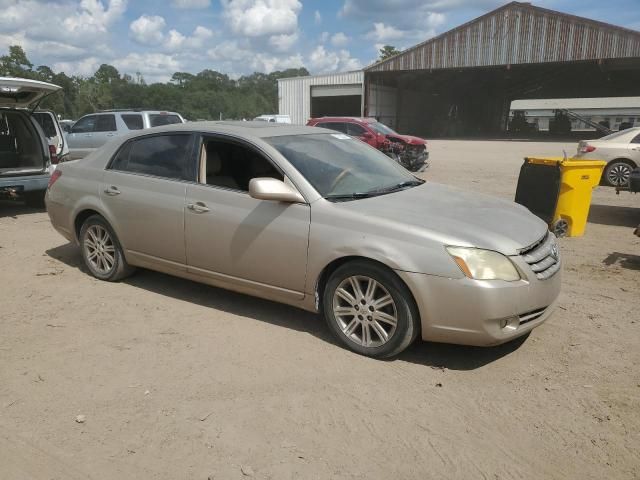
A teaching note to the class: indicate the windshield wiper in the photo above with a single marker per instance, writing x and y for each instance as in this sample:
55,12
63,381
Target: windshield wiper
350,196
399,186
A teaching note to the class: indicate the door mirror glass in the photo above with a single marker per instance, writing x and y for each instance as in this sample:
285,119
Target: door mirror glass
273,189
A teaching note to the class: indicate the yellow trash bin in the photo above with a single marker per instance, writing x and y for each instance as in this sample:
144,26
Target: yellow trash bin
558,190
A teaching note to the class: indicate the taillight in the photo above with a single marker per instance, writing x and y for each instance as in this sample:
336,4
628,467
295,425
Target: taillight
587,149
53,153
54,176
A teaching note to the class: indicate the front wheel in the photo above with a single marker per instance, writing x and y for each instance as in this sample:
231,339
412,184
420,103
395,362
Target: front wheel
370,310
101,250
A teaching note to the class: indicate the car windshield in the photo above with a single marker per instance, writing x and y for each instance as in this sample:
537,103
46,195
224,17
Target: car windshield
343,168
382,128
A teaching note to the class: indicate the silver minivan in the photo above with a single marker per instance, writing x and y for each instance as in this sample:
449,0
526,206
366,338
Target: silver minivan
94,130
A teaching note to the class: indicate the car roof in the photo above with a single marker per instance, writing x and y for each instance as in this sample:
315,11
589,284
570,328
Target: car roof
160,112
346,119
255,129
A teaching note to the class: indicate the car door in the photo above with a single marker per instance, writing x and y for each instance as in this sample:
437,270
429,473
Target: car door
234,238
634,149
80,137
143,193
361,133
104,130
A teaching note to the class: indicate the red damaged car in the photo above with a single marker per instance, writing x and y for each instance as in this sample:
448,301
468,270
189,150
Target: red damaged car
410,152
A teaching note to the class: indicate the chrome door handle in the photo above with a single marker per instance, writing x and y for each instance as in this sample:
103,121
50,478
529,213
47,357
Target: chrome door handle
198,207
88,135
112,191
110,134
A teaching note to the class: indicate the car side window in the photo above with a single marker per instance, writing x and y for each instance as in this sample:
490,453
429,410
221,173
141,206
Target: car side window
167,156
636,139
355,130
232,165
337,126
132,121
105,123
84,125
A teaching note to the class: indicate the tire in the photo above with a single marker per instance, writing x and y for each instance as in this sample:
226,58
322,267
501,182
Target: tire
34,199
101,250
616,173
370,307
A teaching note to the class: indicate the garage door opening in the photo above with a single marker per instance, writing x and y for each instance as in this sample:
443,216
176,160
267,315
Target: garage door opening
336,101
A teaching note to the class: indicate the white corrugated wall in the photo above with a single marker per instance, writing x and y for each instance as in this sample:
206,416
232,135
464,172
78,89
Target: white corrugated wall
294,94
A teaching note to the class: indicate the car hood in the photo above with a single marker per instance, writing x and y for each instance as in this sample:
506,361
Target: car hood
23,93
409,139
455,217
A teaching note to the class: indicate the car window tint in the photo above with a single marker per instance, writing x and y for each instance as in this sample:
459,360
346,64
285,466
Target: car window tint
132,121
157,119
636,139
337,126
231,165
46,122
105,123
165,156
84,125
355,130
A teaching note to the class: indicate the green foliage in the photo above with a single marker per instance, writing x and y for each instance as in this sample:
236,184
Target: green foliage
388,51
207,95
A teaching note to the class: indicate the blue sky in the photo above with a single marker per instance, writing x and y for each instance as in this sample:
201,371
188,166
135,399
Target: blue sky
159,37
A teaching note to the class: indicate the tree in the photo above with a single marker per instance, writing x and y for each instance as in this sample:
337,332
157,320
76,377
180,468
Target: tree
388,51
16,64
107,74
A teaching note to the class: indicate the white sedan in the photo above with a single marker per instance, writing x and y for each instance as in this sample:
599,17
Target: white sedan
621,151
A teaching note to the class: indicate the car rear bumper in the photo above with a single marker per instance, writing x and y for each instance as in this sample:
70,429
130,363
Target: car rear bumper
482,313
12,186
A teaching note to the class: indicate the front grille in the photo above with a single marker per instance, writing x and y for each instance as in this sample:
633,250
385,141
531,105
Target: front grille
543,257
531,316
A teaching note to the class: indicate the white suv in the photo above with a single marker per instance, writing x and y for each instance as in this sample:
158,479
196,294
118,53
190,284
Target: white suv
94,130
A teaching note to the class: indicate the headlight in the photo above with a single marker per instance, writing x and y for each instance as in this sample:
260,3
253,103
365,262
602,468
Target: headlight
484,264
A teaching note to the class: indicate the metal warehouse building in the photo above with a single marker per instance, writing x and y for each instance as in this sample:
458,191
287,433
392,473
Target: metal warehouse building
463,81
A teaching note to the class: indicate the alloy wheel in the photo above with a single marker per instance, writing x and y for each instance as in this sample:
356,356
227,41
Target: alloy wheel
365,311
618,174
99,249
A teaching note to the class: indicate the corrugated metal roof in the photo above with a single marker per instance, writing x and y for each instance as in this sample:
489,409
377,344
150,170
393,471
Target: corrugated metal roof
517,33
576,103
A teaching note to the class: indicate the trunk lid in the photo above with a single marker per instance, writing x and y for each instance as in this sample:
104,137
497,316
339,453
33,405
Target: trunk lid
23,93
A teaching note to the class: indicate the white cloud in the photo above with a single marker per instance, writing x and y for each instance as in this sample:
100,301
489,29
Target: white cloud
324,36
255,18
85,67
384,33
317,17
283,43
190,4
198,39
321,60
339,40
232,56
154,67
148,30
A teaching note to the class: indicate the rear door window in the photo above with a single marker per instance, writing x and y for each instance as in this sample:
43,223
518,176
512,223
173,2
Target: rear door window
636,139
84,125
167,156
355,130
158,119
46,122
105,123
132,121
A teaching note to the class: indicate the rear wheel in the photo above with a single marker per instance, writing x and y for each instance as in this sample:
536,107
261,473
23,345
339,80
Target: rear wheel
101,250
617,173
370,310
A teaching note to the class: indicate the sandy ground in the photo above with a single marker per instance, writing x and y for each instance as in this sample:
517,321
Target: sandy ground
181,381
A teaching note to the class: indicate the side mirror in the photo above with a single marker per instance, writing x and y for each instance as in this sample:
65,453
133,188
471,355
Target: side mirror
273,189
367,135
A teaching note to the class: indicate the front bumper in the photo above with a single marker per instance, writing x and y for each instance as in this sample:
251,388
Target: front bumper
482,313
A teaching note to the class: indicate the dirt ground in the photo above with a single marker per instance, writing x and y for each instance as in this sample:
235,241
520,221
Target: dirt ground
178,380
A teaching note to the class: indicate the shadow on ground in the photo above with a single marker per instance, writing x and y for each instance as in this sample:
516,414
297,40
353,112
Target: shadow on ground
625,260
614,215
435,355
14,208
